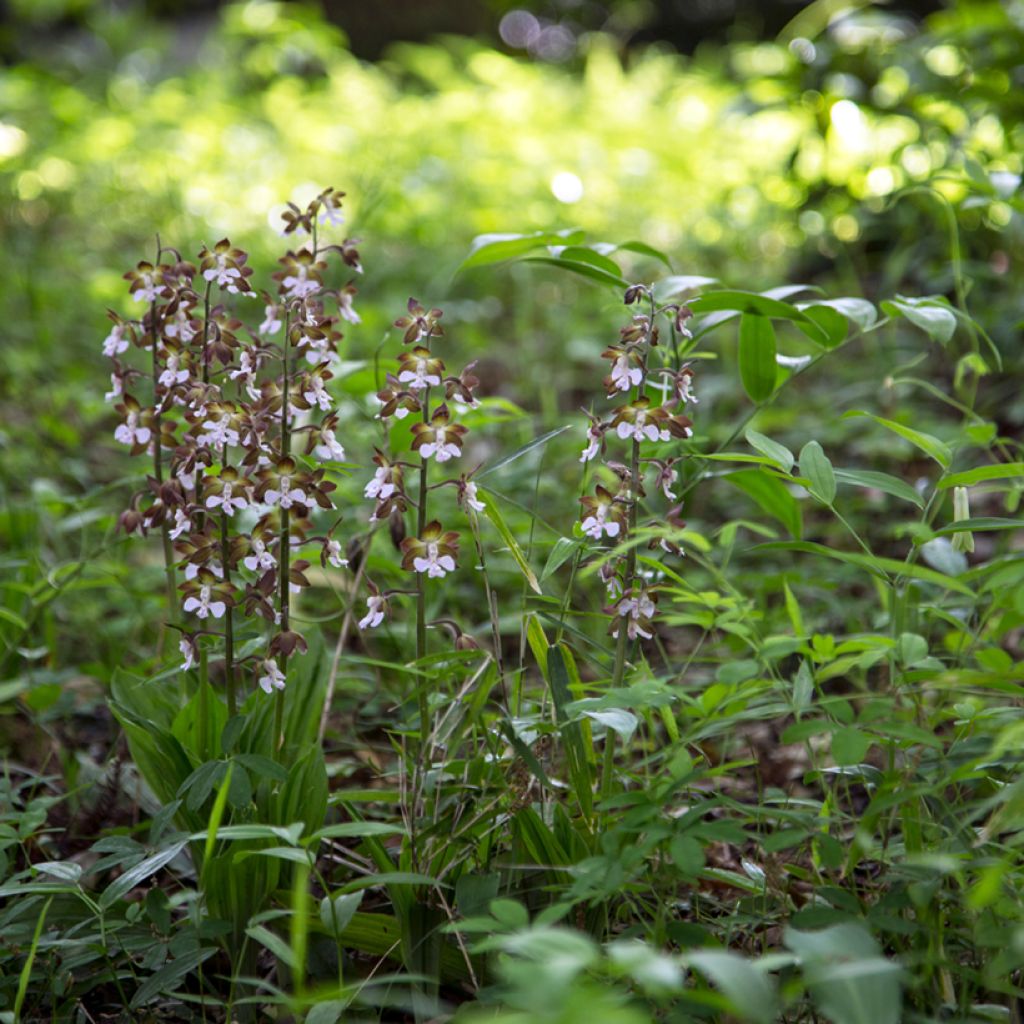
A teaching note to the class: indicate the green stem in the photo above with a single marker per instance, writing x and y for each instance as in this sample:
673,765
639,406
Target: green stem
229,623
204,704
421,590
284,549
158,473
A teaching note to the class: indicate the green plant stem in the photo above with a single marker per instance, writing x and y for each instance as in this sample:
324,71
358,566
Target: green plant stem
158,473
229,624
421,590
204,703
284,548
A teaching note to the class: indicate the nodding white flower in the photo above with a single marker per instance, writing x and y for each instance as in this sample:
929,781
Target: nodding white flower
598,523
382,486
345,307
219,433
149,290
246,365
115,342
317,393
272,678
376,605
130,432
298,284
187,647
179,326
334,555
181,524
260,559
331,214
624,375
271,320
603,515
223,275
329,447
595,435
637,609
432,562
642,428
613,587
116,388
192,570
419,370
469,498
205,604
285,495
187,479
227,501
684,386
318,351
963,541
441,448
171,374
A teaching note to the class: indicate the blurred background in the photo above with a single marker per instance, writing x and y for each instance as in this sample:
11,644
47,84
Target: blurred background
832,144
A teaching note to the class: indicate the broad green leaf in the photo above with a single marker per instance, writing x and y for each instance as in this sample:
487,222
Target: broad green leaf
617,719
757,356
124,884
880,482
744,302
168,976
358,830
931,446
981,525
584,269
778,453
860,311
496,248
849,980
1000,471
934,317
586,254
562,550
849,745
748,990
679,284
772,495
815,466
491,510
830,326
642,248
336,914
266,938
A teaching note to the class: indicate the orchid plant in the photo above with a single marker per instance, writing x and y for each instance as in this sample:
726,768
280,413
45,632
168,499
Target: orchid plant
242,434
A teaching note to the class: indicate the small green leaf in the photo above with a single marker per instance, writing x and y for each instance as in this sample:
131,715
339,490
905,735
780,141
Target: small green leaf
830,327
934,317
491,503
849,745
748,990
931,446
814,465
757,356
496,248
687,854
337,914
880,482
772,495
584,269
778,453
1001,471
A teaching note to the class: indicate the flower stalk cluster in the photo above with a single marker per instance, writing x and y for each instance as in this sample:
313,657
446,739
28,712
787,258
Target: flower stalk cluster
611,513
242,433
403,483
